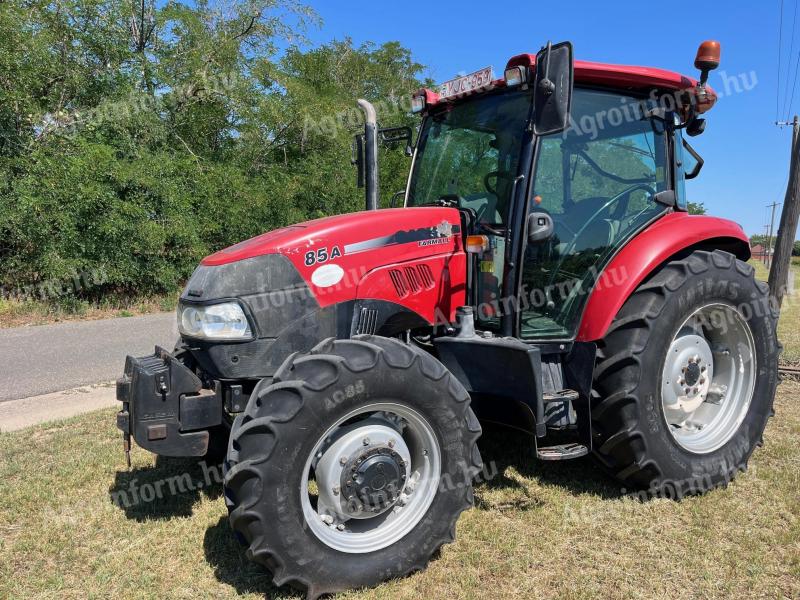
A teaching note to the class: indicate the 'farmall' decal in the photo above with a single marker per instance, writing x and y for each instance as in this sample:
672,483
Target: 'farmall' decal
424,236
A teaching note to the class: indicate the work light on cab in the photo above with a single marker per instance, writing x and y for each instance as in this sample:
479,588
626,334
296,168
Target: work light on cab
515,76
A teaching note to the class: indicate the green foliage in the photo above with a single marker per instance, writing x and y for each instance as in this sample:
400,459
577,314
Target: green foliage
131,148
696,208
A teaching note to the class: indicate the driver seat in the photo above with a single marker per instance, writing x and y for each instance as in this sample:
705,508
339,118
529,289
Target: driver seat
600,233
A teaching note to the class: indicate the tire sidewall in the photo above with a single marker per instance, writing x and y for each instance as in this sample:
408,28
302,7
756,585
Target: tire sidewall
284,474
684,471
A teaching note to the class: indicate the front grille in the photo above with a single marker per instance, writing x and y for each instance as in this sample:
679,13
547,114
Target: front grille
367,321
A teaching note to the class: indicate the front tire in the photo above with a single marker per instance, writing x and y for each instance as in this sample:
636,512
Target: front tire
686,377
372,412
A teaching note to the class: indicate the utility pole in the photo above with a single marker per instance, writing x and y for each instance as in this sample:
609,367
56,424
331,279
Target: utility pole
766,237
769,235
787,230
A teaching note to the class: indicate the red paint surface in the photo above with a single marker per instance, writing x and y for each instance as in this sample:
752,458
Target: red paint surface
663,239
619,76
366,272
627,76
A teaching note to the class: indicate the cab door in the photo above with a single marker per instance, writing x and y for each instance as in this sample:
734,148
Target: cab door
598,182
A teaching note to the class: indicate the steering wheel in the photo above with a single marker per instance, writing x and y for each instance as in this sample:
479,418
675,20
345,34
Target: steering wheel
626,193
495,175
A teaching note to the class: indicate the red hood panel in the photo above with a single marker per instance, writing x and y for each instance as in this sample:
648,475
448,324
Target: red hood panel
333,254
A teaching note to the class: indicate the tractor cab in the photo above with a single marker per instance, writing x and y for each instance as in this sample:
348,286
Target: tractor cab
553,209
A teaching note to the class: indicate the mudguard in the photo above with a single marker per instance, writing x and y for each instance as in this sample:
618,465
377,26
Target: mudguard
669,236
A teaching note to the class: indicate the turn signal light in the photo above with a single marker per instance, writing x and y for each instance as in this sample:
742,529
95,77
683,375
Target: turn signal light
477,244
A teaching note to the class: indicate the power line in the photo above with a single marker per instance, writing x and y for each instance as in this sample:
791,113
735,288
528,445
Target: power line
794,83
789,66
780,49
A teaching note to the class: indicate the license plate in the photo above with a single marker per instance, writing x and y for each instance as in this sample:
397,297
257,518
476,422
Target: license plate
467,83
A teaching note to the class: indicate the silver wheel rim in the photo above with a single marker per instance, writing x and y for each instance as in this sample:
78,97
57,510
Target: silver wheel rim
399,437
708,378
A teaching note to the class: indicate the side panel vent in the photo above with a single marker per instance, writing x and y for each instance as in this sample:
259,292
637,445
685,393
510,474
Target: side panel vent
411,280
367,321
426,275
399,281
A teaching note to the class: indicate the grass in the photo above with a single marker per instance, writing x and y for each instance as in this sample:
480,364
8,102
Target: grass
539,530
18,313
789,323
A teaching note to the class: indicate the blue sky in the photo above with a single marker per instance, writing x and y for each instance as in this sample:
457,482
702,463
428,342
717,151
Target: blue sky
746,154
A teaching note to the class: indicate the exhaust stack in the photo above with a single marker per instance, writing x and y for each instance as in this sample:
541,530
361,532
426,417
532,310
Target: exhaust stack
370,153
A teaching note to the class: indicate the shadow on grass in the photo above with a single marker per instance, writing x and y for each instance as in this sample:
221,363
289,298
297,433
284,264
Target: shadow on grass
226,556
503,448
170,488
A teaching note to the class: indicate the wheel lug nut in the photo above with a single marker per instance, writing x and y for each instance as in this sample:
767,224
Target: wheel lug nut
688,391
695,390
391,443
682,381
691,359
343,461
336,490
702,380
365,441
340,527
703,369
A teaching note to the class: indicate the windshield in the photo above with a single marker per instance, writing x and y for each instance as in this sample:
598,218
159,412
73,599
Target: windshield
469,153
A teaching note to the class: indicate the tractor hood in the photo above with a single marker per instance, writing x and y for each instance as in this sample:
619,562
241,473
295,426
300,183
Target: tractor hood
330,256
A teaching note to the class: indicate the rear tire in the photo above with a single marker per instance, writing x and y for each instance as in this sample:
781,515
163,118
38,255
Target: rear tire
299,419
638,437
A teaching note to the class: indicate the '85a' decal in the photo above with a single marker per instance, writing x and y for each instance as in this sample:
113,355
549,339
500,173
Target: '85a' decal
321,255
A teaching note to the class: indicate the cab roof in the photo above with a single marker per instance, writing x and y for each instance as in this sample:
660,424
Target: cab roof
625,77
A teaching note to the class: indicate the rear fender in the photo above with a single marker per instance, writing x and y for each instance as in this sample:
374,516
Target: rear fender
669,237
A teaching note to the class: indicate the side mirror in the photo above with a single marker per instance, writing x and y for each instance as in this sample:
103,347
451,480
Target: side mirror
553,92
540,227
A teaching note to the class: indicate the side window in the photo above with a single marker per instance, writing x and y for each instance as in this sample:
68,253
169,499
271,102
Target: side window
597,181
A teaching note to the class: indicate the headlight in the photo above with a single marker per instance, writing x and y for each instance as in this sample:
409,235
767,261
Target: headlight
225,321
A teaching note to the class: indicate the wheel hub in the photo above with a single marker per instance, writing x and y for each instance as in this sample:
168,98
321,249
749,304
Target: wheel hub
373,480
687,376
390,456
708,378
363,471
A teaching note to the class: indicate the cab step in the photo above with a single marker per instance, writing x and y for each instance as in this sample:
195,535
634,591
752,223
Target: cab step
562,452
562,396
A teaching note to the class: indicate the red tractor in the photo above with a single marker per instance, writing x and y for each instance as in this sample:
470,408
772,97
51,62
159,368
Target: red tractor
543,273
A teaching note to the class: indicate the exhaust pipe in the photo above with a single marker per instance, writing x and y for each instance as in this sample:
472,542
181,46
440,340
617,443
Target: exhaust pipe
370,153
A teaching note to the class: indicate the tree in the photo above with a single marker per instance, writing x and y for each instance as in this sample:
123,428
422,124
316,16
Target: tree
696,208
137,137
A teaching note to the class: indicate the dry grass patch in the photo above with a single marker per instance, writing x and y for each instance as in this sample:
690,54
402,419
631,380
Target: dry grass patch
789,323
20,313
539,530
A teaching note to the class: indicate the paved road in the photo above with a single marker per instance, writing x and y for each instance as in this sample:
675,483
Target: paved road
51,358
